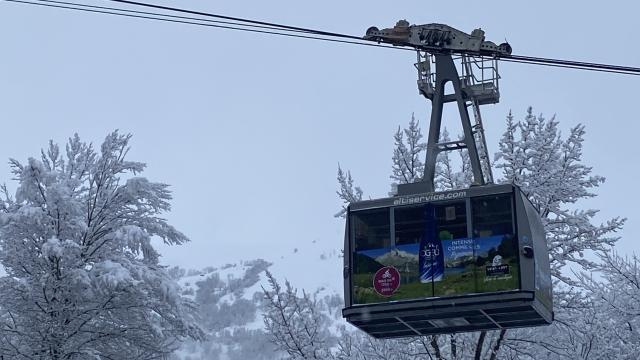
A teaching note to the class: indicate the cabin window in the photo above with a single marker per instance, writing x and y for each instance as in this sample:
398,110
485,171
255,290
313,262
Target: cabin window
371,233
451,220
371,229
456,267
409,224
495,242
492,215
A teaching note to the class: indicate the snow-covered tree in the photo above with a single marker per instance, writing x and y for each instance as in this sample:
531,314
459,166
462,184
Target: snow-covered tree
409,148
451,175
617,297
598,321
549,170
297,324
82,277
348,192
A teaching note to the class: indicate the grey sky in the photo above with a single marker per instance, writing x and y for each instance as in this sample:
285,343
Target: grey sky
248,129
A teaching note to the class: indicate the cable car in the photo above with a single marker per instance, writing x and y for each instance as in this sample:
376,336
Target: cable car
426,262
445,262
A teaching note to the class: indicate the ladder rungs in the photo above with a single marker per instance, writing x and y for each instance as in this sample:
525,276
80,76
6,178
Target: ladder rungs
452,145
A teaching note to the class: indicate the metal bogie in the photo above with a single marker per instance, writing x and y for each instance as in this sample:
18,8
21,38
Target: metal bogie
434,37
434,263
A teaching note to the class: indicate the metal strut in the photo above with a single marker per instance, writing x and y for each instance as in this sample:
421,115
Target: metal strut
446,72
481,142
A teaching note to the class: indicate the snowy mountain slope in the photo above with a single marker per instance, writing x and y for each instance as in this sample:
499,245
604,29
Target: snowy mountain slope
231,298
312,265
397,258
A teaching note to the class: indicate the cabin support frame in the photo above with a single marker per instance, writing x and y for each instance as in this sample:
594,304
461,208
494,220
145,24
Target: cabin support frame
446,72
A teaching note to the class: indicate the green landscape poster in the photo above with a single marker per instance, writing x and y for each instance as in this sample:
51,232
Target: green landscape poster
477,265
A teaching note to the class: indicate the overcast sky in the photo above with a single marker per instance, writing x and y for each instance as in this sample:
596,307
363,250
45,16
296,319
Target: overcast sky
248,129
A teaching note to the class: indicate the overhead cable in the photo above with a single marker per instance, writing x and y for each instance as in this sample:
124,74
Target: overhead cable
572,64
635,73
516,58
186,20
249,21
162,14
270,28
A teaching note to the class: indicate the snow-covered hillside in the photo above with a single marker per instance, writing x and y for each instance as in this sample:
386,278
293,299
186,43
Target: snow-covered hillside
230,298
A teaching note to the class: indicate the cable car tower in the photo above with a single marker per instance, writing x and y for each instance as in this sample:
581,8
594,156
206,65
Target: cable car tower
476,84
425,262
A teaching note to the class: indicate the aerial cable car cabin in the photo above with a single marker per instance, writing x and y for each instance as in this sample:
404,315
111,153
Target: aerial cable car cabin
424,262
444,262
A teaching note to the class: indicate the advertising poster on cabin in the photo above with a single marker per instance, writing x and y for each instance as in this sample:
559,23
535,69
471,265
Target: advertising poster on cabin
444,267
496,263
401,260
459,267
484,264
441,262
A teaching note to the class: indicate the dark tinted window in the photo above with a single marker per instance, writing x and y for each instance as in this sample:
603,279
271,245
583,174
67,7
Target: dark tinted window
409,224
496,247
457,265
371,229
492,215
451,220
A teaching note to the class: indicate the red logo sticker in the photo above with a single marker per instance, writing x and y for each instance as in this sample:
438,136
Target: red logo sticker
386,281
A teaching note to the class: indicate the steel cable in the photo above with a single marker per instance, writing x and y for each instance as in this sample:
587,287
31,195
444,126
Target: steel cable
184,20
242,24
